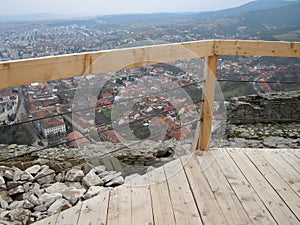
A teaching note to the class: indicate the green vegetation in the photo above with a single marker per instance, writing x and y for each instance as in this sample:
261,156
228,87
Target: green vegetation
231,89
287,37
139,131
15,135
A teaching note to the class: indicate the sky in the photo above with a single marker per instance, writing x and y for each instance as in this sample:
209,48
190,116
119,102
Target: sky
107,7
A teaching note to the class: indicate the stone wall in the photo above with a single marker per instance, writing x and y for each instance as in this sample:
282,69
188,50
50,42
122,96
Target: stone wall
268,108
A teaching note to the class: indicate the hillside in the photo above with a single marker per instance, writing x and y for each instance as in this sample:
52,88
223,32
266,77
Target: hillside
251,6
279,17
129,18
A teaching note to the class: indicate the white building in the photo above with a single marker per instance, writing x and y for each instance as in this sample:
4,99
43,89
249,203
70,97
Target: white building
53,126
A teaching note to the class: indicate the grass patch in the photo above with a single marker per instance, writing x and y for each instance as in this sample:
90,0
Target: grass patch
287,37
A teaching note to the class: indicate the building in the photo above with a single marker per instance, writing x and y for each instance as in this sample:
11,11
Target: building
78,140
52,126
109,135
9,100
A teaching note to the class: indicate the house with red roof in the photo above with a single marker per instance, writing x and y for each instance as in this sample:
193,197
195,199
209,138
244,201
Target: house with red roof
53,126
78,140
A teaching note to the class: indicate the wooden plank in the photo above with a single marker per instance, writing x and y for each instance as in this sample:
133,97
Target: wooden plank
113,208
20,72
287,172
119,210
207,204
292,159
69,216
295,152
276,206
208,95
94,210
281,187
51,220
183,203
251,202
257,48
226,197
141,208
161,203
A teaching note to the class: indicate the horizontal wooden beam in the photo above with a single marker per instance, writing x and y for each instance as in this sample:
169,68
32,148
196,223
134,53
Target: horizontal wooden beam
20,72
257,48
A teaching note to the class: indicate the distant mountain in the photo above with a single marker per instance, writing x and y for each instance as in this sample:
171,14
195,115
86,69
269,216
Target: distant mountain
251,6
132,18
165,17
281,17
33,17
156,17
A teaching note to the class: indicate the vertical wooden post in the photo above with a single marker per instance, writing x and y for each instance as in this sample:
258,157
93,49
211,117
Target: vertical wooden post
204,127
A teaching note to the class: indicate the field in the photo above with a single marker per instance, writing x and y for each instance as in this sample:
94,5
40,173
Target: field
288,36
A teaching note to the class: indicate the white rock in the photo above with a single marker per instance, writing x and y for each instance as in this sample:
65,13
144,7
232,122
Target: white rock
74,184
3,203
59,177
4,195
4,214
3,169
74,175
34,188
2,181
28,204
25,204
34,200
93,191
91,179
73,194
103,174
40,208
9,174
21,215
47,175
115,182
33,169
16,190
17,173
56,188
26,176
47,199
99,169
5,222
111,176
58,205
16,204
12,146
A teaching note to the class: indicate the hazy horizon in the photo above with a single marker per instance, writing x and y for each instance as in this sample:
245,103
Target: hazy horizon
100,7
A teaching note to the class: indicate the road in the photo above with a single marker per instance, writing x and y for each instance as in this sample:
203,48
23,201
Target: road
22,115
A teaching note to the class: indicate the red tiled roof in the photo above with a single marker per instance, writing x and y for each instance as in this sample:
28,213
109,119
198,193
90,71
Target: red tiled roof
53,122
78,139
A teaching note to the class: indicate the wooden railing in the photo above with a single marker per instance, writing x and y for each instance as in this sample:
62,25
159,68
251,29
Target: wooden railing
20,72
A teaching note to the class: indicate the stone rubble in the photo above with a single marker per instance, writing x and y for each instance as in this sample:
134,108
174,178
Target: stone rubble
273,107
28,195
25,186
264,121
24,200
264,136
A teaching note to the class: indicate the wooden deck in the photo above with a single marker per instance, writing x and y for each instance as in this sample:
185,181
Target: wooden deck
221,186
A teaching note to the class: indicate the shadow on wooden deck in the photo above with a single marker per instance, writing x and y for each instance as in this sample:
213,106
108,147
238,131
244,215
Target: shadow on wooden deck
221,186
